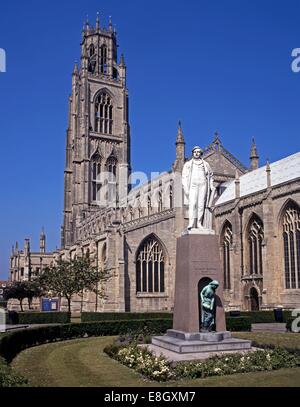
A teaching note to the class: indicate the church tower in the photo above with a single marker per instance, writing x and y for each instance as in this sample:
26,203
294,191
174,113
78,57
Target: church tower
98,134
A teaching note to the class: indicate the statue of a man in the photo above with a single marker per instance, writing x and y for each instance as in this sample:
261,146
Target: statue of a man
207,296
197,182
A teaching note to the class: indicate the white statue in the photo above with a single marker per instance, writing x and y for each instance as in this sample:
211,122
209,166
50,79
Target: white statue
199,190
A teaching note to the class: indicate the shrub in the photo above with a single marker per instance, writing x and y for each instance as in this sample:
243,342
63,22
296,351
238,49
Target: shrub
236,324
141,360
111,316
44,317
259,360
12,343
8,378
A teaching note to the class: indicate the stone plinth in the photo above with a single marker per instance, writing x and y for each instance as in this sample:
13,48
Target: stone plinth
197,258
197,263
209,342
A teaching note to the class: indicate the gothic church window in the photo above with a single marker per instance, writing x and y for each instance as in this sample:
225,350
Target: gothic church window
255,240
150,267
96,178
103,114
226,257
103,59
111,167
291,246
171,196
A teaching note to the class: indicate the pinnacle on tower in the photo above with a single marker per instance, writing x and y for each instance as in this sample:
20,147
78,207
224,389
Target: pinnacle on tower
180,150
254,157
268,171
110,25
75,70
180,138
97,22
122,60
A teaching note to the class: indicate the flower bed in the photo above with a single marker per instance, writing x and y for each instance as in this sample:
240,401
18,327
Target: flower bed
159,369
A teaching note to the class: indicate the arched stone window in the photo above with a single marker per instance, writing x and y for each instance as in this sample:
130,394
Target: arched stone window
226,243
171,196
160,201
103,114
150,267
103,59
111,168
92,59
291,245
255,240
96,178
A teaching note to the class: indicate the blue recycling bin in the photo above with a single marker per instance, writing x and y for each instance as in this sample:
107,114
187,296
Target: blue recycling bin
278,315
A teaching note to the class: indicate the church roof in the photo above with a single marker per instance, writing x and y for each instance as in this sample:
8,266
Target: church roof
217,146
282,171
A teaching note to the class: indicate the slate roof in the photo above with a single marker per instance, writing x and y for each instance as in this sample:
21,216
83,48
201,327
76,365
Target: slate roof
282,171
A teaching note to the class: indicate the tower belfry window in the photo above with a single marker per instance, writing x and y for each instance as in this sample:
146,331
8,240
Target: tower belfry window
103,59
96,179
103,114
92,59
111,166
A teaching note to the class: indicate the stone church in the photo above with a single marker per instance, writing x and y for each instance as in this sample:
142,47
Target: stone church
131,232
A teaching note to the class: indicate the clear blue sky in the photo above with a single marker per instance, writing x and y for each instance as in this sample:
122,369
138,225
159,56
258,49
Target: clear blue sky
216,65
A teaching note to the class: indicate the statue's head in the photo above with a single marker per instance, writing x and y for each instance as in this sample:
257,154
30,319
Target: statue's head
197,152
214,284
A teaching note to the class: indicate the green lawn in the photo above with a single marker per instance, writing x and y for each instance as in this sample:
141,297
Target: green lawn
288,340
82,363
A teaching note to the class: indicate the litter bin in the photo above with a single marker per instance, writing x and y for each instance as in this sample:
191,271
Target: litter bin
278,314
13,318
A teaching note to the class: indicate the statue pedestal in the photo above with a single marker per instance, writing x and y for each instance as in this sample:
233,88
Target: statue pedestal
197,263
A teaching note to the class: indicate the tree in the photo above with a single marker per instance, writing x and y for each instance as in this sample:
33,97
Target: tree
22,289
70,277
33,289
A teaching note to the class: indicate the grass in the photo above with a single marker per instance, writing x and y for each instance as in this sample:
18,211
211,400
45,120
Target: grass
82,363
288,340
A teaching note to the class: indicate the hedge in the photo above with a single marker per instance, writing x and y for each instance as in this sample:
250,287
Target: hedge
264,316
9,378
43,317
255,316
289,323
238,324
111,316
13,343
